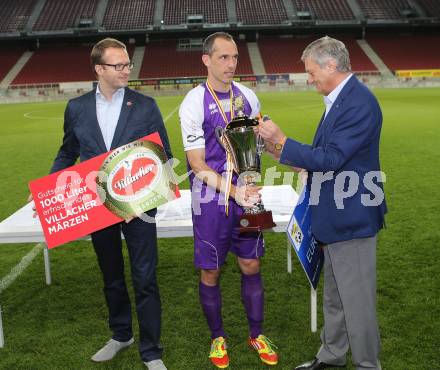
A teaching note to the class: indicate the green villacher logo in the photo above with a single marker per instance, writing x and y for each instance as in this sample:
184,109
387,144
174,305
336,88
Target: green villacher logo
134,178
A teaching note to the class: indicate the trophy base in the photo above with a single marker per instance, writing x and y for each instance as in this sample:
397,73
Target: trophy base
257,222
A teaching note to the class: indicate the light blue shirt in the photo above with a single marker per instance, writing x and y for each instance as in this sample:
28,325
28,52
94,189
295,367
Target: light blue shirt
108,114
331,98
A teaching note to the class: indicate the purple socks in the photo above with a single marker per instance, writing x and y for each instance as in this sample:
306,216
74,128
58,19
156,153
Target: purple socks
211,301
252,295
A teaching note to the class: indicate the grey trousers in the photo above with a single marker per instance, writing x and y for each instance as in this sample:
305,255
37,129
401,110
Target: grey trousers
350,304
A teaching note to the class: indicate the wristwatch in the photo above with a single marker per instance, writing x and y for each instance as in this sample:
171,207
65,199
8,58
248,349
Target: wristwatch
278,146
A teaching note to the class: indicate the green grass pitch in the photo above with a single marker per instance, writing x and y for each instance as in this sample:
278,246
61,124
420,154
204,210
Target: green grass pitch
62,325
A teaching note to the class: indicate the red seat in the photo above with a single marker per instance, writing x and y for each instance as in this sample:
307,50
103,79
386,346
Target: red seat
61,15
288,53
431,7
379,9
325,9
14,14
167,61
128,14
176,11
407,52
260,11
58,64
8,58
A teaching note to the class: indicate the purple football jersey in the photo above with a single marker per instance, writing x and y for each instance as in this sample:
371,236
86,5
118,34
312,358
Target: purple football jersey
214,232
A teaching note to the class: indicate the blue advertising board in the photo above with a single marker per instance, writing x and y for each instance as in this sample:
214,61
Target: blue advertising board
299,232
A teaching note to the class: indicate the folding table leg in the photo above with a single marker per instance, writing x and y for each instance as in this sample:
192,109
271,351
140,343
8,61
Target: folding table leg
47,265
289,257
313,313
2,338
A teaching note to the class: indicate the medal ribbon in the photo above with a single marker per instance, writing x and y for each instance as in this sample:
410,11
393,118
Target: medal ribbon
229,164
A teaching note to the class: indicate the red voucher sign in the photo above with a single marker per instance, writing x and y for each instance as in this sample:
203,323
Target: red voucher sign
104,190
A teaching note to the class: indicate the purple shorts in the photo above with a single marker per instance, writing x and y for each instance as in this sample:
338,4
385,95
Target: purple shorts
215,234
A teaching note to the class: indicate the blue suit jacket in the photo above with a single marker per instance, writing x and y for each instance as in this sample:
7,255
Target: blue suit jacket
139,117
347,140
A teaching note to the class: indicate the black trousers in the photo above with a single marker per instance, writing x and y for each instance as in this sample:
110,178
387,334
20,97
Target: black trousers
141,242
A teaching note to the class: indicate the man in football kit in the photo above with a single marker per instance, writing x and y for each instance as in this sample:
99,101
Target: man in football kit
216,229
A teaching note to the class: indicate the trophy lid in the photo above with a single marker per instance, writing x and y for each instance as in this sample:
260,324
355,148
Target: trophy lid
241,121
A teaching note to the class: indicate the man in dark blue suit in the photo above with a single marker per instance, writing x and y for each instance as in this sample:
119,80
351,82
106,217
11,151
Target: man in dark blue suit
107,117
347,202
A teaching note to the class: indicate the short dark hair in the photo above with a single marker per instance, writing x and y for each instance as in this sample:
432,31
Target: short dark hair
100,47
208,43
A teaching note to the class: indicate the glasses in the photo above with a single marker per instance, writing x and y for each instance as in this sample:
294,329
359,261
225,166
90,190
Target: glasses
120,67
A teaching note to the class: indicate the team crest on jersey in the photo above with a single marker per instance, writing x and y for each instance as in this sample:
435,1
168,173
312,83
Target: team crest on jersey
239,105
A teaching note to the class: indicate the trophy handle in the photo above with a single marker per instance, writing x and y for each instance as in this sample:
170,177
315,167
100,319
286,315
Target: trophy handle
260,145
260,140
219,131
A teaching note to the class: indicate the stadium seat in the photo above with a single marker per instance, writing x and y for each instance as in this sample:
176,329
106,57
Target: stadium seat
378,9
431,7
129,14
14,14
8,58
288,53
325,9
176,11
360,62
260,11
407,52
61,15
58,64
167,61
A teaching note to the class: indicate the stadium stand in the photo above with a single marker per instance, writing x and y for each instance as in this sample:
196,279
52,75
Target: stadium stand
167,61
337,10
407,52
390,9
260,11
166,58
360,62
431,7
61,15
57,64
162,60
14,14
177,11
288,54
8,58
129,14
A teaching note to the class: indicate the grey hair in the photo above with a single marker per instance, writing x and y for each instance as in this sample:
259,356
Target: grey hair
208,43
325,48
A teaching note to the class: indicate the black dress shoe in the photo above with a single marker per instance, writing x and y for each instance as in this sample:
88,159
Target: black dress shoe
315,365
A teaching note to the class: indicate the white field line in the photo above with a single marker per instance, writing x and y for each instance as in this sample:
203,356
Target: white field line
20,267
30,115
171,114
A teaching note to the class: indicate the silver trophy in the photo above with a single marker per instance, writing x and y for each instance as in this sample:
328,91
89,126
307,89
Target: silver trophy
245,148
